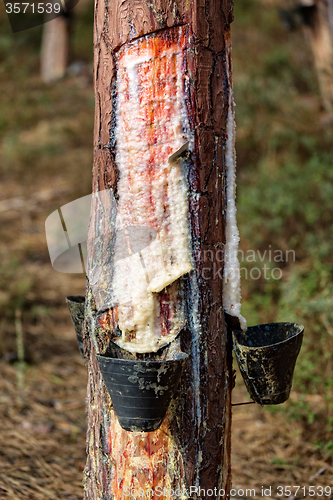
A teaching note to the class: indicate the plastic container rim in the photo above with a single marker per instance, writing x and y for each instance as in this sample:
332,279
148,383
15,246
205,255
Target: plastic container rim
299,325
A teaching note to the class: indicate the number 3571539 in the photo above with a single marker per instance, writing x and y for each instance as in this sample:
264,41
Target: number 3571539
32,8
306,491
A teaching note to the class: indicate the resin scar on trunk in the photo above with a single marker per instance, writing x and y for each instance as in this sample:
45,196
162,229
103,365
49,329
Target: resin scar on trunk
151,247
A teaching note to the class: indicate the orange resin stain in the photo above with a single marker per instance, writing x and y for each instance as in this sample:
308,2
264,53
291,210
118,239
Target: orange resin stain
143,463
150,127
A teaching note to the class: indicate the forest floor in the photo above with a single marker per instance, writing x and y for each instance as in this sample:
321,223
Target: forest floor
43,424
45,162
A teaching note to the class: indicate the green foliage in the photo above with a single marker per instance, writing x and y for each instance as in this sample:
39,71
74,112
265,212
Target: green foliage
325,447
289,200
278,461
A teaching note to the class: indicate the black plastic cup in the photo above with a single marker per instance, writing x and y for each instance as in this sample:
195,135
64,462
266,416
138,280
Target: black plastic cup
266,355
141,390
76,305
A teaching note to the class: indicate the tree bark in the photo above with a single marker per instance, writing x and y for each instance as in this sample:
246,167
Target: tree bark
191,450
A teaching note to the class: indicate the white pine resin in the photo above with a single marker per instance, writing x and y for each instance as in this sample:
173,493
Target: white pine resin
231,281
152,192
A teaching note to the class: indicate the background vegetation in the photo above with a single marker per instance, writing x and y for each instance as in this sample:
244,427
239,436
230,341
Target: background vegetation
285,193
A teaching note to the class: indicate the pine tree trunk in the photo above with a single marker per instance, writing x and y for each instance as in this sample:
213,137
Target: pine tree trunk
191,450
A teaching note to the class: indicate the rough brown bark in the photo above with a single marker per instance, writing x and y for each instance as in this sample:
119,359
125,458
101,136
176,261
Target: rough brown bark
192,448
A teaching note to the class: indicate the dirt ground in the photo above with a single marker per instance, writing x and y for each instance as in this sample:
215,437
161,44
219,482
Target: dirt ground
270,451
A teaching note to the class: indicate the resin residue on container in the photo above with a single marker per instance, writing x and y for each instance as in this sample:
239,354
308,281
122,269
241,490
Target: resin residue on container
231,280
151,126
